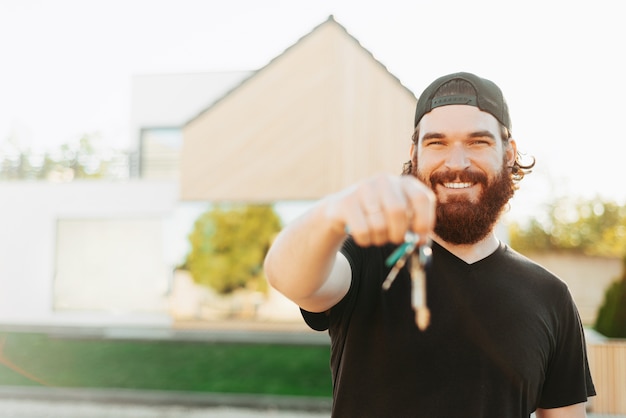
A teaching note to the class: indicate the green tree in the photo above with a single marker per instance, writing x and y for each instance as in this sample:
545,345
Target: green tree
82,158
592,227
228,246
611,320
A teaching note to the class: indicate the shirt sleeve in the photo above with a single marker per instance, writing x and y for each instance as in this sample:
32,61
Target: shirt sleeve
317,321
321,321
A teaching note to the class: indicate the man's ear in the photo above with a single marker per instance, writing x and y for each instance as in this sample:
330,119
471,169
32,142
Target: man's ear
511,152
413,152
410,166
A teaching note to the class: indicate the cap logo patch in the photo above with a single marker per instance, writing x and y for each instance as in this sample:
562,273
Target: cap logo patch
461,99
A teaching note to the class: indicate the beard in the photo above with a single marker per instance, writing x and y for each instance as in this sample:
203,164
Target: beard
463,221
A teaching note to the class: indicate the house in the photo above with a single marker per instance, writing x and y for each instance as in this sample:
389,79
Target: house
316,118
101,253
307,124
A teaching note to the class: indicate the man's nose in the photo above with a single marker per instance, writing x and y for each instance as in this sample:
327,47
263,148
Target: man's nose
457,158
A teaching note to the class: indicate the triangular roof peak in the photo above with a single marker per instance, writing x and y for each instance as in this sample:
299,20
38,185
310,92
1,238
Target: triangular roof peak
316,118
329,21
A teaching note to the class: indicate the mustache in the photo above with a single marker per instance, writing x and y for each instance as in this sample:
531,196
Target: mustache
464,176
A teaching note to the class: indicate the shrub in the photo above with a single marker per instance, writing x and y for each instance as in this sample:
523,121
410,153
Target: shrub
228,246
611,320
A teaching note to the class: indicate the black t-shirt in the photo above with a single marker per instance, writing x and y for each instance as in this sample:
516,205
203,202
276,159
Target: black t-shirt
505,338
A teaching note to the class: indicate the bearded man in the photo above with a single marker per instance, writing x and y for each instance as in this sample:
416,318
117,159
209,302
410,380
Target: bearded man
504,337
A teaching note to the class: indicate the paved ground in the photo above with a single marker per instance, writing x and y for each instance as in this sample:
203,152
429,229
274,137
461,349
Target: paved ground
56,409
39,402
63,409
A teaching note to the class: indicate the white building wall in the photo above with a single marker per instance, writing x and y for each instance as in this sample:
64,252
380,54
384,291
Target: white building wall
29,216
111,265
171,100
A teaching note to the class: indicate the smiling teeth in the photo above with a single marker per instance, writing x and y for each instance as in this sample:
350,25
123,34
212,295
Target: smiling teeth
457,185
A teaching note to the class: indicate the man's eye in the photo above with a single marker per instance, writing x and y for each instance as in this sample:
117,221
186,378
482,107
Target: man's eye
430,143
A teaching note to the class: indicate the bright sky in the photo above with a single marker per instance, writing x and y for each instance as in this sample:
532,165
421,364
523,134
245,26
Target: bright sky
66,66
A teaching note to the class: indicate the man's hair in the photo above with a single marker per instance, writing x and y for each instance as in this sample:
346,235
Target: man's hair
458,87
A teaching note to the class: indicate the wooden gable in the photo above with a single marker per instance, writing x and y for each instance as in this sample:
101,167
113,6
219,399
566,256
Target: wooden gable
319,117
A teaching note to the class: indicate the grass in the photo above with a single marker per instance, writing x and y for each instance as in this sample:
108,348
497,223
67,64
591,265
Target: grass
38,359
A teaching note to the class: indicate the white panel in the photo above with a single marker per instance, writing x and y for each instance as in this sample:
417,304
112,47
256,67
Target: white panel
113,265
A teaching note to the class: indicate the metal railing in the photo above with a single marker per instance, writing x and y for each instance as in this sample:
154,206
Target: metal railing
118,165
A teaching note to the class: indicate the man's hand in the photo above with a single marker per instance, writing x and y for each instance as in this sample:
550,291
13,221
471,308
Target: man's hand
382,209
304,262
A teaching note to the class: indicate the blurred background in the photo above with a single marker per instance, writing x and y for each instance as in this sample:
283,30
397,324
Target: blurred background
151,150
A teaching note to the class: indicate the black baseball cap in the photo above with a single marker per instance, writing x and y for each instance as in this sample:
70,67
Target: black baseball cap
488,98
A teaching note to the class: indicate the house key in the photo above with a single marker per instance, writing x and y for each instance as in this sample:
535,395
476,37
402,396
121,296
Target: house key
419,262
419,257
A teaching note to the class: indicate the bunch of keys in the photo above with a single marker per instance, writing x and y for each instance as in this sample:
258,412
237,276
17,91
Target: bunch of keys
419,258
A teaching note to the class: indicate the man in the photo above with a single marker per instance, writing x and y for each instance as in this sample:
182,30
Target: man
504,338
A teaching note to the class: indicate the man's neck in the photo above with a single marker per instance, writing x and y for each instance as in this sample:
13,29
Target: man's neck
471,253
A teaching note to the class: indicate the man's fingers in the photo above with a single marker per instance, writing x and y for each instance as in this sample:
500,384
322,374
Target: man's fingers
383,208
372,208
422,201
396,209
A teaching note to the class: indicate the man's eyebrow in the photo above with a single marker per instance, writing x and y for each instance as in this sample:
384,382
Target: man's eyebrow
433,135
476,134
482,134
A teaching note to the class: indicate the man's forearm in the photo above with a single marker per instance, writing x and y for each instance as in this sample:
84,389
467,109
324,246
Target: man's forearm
303,255
304,263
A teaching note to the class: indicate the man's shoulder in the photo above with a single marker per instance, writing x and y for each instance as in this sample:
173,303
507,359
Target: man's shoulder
530,269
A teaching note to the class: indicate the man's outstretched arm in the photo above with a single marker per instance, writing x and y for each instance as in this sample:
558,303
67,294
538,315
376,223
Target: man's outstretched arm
304,262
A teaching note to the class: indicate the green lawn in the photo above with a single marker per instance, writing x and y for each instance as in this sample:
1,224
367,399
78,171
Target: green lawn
37,359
